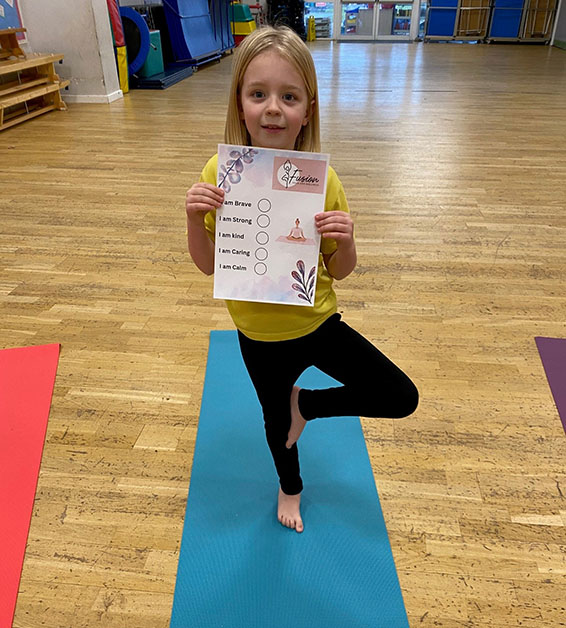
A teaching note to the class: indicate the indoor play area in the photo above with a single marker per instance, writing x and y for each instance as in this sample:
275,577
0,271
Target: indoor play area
138,489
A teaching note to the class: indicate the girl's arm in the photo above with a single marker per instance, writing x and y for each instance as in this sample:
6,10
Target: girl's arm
201,198
339,226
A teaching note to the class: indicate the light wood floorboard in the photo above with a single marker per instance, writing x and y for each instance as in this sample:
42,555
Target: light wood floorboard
454,162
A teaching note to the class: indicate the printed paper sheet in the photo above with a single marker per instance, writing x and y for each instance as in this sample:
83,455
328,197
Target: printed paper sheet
267,246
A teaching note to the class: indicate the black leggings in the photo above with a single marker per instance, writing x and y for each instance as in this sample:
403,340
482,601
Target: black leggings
372,385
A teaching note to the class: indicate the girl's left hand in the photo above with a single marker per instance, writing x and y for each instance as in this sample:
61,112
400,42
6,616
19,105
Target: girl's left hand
336,224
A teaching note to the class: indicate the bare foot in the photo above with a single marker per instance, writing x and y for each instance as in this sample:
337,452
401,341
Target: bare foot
297,421
289,512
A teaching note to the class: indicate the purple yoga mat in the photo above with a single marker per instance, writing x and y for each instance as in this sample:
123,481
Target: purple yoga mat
553,355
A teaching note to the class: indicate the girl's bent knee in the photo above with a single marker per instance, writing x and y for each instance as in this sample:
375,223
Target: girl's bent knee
412,400
408,402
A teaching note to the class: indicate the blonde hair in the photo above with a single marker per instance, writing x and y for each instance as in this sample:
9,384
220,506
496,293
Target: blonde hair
292,48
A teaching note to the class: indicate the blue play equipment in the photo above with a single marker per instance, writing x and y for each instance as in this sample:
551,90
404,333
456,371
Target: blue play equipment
441,19
506,19
136,33
221,24
145,56
191,32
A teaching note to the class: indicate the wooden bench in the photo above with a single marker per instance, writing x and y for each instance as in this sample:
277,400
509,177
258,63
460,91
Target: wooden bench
29,85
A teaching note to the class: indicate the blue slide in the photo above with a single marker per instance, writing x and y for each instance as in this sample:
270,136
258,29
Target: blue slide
191,32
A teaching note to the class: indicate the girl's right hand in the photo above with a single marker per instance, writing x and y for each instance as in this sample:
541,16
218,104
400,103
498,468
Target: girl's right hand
202,198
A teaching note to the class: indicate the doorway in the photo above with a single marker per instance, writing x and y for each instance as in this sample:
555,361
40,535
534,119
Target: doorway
378,20
367,21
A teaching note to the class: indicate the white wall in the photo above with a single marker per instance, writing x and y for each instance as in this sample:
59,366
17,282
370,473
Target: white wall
80,29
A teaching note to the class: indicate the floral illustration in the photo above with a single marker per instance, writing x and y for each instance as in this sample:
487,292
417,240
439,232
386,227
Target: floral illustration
230,173
304,285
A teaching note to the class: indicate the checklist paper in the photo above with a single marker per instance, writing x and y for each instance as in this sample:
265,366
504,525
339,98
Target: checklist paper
266,244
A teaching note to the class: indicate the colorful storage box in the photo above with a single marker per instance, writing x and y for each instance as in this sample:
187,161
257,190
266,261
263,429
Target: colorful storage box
240,13
243,28
154,61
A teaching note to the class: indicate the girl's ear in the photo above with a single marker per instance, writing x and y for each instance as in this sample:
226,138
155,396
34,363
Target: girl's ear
309,113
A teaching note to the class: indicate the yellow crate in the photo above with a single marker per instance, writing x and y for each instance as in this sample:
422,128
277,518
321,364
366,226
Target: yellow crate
243,28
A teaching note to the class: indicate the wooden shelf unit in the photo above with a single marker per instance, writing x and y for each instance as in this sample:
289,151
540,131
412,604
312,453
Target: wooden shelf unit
9,45
29,85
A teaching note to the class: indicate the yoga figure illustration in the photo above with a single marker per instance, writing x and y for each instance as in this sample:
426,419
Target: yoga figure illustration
296,232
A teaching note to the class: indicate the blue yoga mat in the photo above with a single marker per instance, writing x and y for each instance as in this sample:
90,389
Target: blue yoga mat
238,566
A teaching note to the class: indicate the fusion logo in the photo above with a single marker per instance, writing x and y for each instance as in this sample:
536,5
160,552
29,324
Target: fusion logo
298,175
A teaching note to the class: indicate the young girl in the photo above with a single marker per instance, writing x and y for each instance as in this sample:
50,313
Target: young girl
274,104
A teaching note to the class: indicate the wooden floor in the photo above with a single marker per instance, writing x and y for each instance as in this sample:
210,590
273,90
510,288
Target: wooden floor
454,162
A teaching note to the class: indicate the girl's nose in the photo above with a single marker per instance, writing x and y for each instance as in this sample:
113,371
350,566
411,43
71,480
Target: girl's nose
273,105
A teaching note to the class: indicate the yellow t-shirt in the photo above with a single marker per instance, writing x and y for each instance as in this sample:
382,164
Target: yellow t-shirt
271,322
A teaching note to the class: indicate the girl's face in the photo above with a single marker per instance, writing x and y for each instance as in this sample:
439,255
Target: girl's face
273,101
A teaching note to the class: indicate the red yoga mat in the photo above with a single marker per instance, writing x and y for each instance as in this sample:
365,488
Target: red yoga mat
27,377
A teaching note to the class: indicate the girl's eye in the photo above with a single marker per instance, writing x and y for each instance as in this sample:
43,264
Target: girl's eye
257,94
289,97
